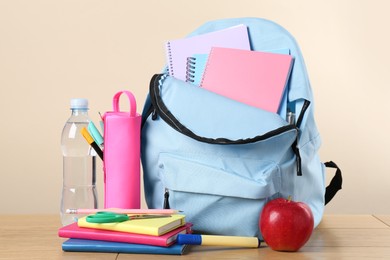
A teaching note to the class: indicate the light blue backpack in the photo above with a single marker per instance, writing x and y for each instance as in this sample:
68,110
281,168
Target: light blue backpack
219,160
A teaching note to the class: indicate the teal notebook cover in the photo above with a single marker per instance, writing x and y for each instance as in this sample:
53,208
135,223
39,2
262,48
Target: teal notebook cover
195,67
85,245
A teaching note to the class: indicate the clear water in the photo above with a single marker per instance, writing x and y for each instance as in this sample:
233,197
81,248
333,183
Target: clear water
79,172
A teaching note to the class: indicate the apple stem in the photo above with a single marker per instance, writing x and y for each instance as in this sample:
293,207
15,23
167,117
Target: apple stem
289,198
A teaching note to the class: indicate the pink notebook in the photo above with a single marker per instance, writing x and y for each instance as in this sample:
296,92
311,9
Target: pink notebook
177,51
74,231
252,77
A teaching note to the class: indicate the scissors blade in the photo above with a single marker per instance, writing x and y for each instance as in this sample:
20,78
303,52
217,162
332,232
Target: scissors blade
147,216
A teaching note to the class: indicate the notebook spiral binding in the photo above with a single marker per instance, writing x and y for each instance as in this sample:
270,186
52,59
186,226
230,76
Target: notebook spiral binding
190,69
170,65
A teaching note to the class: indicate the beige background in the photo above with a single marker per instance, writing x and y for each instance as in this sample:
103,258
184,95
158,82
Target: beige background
51,51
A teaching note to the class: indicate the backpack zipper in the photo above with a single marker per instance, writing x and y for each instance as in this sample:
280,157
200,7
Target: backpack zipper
295,148
298,161
166,199
151,110
161,110
158,108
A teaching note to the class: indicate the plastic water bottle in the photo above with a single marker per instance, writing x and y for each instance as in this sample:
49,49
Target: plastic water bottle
79,164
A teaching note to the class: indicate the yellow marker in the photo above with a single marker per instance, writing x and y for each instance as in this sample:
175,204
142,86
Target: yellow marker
91,142
207,240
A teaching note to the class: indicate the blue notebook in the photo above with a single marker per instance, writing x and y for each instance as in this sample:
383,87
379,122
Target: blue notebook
195,68
85,245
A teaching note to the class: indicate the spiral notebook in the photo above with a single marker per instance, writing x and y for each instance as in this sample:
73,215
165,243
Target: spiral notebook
197,63
177,51
195,68
252,77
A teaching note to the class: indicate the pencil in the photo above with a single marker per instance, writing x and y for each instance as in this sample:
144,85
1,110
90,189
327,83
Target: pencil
123,211
91,142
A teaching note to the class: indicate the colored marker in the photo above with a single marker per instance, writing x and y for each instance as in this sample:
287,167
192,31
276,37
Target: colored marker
207,240
91,142
95,133
123,211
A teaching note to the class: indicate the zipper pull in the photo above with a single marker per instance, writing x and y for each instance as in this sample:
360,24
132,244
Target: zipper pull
297,156
298,161
166,199
154,114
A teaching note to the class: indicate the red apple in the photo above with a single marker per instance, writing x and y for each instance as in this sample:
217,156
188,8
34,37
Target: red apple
286,225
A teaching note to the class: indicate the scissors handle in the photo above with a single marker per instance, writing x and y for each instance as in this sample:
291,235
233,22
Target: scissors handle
106,217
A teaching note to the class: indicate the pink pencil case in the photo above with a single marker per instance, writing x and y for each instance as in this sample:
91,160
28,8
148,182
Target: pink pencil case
122,155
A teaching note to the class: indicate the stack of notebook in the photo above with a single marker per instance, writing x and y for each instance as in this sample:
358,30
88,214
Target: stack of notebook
142,236
223,62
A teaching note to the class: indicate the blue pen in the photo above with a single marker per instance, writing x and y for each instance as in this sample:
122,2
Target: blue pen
207,240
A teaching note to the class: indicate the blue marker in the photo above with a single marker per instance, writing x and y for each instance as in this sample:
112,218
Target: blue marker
207,240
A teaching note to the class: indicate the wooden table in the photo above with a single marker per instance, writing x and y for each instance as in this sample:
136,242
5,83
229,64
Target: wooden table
337,237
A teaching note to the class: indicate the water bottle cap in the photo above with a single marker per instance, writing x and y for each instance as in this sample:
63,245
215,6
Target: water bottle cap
79,103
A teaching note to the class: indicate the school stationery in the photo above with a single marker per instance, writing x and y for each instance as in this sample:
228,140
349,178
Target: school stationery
251,77
123,211
84,245
94,132
121,155
112,217
101,123
91,142
196,65
220,160
151,226
209,240
177,51
74,231
195,68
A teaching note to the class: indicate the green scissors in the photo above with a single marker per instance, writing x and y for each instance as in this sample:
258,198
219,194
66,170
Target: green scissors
112,217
